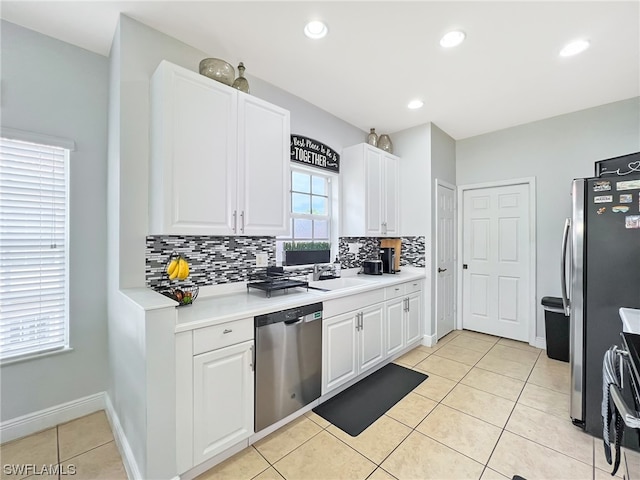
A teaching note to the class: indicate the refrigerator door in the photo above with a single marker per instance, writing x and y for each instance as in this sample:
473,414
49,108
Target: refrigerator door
576,303
611,277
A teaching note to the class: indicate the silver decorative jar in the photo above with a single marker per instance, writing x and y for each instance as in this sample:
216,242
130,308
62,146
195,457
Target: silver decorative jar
218,70
372,138
384,143
241,83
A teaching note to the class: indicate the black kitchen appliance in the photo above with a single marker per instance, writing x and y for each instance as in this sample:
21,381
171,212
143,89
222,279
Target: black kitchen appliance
388,257
600,274
372,267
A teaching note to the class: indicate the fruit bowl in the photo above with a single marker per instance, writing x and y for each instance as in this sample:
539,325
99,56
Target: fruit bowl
183,295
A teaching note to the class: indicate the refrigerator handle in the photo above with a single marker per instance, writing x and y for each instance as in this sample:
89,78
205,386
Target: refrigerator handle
563,271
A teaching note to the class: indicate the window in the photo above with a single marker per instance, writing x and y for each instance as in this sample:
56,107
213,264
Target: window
310,209
33,248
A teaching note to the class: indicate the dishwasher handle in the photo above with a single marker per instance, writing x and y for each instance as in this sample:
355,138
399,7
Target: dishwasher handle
295,321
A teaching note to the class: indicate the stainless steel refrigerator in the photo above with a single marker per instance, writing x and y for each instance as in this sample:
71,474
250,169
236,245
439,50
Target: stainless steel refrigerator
601,273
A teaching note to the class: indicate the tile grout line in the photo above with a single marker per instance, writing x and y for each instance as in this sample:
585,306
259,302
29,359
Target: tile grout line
509,418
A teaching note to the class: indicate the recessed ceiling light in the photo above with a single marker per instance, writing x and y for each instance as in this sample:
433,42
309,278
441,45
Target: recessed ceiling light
574,48
452,39
414,104
315,29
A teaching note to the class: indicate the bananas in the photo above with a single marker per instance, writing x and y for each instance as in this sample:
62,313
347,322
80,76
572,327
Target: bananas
178,268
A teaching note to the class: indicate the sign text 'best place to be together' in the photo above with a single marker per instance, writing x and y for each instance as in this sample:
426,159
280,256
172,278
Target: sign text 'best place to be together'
313,153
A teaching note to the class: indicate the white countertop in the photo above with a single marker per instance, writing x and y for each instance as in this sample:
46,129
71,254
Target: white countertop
229,302
212,310
630,320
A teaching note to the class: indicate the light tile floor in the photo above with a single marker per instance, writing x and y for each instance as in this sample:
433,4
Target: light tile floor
82,449
490,409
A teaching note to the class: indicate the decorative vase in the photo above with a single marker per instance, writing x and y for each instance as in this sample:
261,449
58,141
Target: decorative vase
372,138
218,70
384,143
241,83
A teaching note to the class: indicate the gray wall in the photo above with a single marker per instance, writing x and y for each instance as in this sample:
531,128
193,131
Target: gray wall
555,151
53,88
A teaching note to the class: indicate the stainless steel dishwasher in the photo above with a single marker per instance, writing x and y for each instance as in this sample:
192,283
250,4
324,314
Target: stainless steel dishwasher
288,363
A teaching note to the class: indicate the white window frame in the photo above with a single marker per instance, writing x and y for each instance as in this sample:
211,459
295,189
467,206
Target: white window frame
330,217
64,148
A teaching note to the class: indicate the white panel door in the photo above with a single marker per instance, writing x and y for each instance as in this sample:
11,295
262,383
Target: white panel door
263,164
373,181
496,251
394,320
372,344
445,262
222,399
339,350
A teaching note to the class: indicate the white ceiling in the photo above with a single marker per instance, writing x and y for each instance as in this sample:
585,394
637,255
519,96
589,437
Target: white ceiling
380,55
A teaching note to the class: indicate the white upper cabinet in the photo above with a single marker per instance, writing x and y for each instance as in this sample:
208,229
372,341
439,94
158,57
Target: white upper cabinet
263,143
219,158
370,192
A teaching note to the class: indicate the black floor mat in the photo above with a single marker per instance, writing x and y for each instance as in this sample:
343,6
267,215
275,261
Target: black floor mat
354,409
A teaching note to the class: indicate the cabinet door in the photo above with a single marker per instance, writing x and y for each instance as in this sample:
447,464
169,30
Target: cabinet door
374,194
391,203
263,154
193,153
339,351
372,342
222,399
394,326
413,317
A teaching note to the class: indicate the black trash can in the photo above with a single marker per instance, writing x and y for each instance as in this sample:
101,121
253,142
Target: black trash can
556,325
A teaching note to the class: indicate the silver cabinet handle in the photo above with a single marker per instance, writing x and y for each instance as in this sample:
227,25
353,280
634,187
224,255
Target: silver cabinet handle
227,330
397,289
242,222
253,359
235,220
361,320
440,270
408,305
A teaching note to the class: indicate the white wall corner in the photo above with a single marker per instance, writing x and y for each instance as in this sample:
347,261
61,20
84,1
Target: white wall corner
128,460
429,340
50,417
540,342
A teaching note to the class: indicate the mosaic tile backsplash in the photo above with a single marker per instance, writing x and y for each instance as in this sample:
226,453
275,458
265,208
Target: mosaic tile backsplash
216,260
213,260
412,253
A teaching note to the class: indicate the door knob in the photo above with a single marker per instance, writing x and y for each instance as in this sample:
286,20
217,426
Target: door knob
440,270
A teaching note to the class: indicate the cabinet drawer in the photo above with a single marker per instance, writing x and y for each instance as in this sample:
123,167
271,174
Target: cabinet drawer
414,286
223,335
394,291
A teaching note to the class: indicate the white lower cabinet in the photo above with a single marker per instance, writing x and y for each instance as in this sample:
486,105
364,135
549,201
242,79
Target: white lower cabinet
222,399
352,343
394,325
413,318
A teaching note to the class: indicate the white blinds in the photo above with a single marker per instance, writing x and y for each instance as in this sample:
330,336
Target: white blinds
33,248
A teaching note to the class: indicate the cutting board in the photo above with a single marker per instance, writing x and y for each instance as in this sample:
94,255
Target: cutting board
395,243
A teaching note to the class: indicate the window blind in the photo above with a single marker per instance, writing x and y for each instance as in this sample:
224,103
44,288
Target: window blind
33,248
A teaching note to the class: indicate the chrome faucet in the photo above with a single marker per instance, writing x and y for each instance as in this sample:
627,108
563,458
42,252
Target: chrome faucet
318,269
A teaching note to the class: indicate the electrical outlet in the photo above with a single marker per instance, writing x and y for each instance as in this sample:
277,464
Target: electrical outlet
354,247
262,259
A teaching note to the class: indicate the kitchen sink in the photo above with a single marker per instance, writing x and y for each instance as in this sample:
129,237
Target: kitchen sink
337,284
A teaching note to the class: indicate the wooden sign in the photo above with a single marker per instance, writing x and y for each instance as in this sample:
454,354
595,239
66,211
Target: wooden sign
314,154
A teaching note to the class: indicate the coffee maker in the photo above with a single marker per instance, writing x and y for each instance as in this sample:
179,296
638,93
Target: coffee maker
388,257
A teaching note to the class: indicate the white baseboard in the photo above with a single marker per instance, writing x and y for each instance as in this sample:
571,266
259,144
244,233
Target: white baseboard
50,417
429,340
128,460
540,342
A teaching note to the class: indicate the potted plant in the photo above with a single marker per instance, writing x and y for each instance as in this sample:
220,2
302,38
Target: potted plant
306,253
